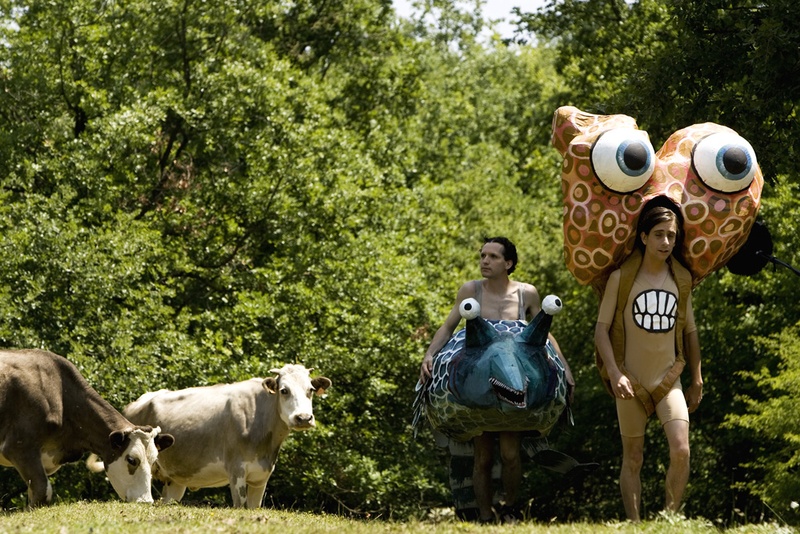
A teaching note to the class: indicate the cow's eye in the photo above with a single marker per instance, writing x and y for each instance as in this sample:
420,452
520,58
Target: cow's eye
623,159
284,391
725,162
133,461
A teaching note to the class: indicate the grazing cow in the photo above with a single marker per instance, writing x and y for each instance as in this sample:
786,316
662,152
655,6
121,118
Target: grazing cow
50,415
228,434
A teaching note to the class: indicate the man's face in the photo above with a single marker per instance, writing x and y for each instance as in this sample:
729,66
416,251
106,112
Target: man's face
492,263
660,242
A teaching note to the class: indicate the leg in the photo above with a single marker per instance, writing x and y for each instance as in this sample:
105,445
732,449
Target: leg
238,492
172,491
632,419
512,465
255,494
674,416
630,484
482,474
28,464
40,491
678,472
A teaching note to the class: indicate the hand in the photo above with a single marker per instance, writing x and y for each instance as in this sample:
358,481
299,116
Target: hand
570,390
622,387
694,394
426,368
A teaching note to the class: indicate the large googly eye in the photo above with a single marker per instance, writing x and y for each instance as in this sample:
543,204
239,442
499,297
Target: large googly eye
725,162
623,159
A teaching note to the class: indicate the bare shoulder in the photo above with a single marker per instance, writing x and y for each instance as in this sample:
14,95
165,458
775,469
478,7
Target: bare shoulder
529,291
467,290
530,299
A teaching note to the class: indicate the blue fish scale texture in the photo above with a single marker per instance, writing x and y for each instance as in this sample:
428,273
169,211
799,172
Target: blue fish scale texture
436,403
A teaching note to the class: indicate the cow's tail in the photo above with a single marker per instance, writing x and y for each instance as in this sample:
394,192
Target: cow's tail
95,464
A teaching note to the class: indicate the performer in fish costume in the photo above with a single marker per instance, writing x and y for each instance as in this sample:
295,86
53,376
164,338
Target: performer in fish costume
495,376
697,198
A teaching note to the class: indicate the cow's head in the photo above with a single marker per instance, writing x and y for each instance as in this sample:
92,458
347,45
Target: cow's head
295,389
130,466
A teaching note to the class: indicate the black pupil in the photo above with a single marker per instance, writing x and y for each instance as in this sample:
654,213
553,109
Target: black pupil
735,160
635,156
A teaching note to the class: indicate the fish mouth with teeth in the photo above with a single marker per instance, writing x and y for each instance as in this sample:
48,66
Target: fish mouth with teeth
507,394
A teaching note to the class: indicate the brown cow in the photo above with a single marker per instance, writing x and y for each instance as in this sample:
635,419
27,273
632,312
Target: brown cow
50,415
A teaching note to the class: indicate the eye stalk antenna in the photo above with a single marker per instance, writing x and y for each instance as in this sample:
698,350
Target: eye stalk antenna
552,305
479,332
469,309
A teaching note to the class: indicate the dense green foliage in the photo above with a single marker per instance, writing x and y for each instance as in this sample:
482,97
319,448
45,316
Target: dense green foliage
671,63
196,192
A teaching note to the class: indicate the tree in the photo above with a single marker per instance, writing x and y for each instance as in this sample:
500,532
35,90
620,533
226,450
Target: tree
672,63
197,192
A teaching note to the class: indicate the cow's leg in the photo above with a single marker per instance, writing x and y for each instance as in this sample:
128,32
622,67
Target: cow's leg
172,491
255,494
32,472
238,484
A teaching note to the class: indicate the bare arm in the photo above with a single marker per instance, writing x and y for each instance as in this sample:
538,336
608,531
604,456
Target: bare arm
442,335
620,385
694,393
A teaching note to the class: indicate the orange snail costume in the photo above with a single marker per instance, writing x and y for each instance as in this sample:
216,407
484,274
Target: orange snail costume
610,172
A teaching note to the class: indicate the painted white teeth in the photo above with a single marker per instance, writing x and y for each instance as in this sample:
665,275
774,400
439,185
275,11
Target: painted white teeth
655,310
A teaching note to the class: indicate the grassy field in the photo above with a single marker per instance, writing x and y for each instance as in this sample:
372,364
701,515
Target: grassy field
118,517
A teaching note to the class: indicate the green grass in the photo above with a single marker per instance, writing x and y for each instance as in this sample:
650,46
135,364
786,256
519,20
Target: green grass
118,517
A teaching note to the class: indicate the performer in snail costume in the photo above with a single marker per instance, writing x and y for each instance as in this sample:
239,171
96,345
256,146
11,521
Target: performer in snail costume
494,376
493,381
643,228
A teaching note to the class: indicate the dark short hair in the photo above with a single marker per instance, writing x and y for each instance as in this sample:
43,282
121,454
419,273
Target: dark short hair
509,250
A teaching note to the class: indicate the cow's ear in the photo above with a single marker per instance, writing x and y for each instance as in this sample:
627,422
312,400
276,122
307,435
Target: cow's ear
321,384
270,384
164,441
118,439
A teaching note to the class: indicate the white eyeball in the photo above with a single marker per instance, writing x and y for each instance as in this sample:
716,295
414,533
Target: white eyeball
552,305
469,308
725,162
623,159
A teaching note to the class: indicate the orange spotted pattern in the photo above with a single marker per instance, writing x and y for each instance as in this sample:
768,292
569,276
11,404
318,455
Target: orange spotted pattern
600,223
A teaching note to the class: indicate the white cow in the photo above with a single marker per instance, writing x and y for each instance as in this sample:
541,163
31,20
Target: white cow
228,434
50,415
